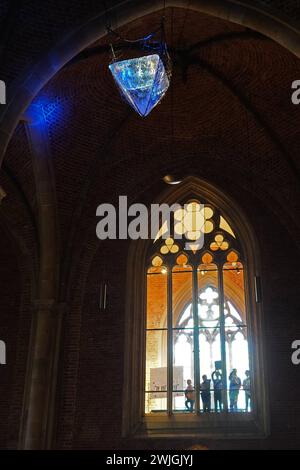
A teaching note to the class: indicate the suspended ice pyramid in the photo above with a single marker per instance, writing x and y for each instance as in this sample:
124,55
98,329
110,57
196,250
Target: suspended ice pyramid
143,81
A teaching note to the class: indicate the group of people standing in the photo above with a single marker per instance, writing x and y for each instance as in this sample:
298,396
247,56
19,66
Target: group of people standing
235,384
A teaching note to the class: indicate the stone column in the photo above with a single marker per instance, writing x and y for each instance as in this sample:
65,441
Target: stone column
37,396
41,377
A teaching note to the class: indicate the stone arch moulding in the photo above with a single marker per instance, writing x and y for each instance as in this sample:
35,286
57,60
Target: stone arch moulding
25,88
134,422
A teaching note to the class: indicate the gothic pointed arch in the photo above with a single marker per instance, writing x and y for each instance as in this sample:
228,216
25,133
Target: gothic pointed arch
197,311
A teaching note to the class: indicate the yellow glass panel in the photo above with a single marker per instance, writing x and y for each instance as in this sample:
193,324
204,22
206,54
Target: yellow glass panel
156,299
203,268
193,207
208,212
207,258
169,242
208,226
169,247
156,370
179,228
234,266
162,231
156,357
232,257
154,269
182,260
156,403
174,249
234,291
157,261
224,225
182,290
193,221
214,246
193,235
179,214
224,246
181,267
219,239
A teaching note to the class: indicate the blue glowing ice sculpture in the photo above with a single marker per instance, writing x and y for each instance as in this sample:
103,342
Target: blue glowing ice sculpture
143,81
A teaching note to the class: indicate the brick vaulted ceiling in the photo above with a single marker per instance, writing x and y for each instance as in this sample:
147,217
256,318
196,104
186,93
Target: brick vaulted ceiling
230,104
233,124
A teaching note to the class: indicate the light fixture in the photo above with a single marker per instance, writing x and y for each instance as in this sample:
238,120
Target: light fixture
143,81
171,179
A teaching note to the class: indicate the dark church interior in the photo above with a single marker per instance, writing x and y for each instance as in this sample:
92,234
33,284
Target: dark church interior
117,341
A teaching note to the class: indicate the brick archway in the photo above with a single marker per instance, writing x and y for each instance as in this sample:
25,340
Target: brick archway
136,300
26,88
22,93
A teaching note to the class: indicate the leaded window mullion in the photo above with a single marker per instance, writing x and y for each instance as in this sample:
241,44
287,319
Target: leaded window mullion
170,345
222,335
196,339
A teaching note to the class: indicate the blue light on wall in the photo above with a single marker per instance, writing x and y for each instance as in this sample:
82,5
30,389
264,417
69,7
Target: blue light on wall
45,111
142,81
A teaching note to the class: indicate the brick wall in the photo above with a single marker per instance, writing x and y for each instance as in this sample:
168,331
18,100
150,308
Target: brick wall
9,307
18,261
15,320
101,150
32,30
99,379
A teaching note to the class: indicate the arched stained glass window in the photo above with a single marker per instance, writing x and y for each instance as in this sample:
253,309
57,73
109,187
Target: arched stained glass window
197,355
194,309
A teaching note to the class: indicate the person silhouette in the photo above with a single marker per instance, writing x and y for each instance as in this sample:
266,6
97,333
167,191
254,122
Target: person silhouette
205,393
189,396
216,377
247,389
234,389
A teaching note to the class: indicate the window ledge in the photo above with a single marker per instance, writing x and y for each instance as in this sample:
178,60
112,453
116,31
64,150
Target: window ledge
210,426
